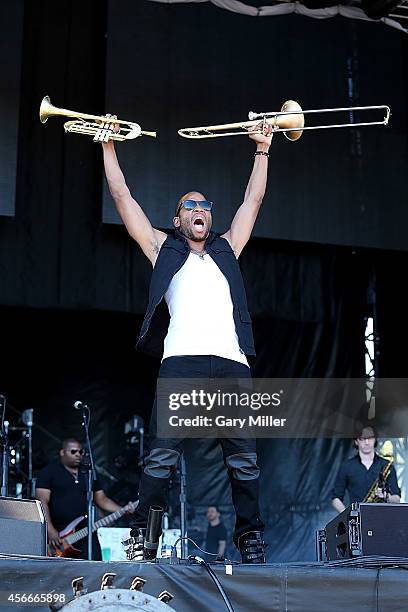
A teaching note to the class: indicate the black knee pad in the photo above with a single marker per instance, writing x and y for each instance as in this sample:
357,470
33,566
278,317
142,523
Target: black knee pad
243,466
160,462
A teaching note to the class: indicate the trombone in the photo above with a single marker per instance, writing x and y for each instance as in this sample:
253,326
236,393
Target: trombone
99,127
289,120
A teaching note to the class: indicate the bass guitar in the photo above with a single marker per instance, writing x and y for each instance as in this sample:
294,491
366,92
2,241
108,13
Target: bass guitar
70,536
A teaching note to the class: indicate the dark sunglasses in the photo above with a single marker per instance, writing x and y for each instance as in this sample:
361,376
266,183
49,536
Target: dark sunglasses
74,451
191,205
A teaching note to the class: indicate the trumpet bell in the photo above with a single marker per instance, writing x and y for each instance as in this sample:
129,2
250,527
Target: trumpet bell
45,109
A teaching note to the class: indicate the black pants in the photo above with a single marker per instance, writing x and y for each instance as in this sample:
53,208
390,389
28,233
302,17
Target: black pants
239,454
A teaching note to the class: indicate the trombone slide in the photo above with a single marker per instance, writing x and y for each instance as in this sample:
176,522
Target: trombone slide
284,121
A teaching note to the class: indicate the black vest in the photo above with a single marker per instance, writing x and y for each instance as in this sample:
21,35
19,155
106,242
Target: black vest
173,255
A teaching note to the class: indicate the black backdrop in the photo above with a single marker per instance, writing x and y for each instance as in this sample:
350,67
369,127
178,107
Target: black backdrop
10,46
189,65
73,291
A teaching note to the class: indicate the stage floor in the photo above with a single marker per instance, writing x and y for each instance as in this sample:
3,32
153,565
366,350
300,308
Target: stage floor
363,585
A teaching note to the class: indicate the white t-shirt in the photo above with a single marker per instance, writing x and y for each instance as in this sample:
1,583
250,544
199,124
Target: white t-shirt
201,312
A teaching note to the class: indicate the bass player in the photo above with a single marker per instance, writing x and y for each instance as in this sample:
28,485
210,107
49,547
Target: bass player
61,488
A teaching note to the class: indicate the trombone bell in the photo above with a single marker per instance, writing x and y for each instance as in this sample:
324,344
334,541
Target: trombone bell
285,122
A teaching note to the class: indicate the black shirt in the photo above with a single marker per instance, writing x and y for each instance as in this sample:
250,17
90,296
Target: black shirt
68,498
214,536
355,477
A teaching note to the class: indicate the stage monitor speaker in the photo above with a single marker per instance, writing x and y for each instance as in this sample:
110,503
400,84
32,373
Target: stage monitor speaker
365,530
23,529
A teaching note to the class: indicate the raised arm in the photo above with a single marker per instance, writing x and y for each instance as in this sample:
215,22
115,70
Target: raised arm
137,224
245,217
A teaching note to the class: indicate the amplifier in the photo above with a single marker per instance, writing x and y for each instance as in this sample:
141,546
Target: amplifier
23,529
365,530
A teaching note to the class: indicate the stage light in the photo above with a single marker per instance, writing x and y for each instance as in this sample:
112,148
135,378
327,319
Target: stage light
27,417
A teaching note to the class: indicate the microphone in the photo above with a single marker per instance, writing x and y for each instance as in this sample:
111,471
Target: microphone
80,405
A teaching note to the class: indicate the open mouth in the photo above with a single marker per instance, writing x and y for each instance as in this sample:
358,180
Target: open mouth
199,224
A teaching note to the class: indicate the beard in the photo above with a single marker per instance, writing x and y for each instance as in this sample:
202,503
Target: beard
187,231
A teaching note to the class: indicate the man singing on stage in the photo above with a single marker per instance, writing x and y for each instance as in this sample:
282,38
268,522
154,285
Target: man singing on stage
197,320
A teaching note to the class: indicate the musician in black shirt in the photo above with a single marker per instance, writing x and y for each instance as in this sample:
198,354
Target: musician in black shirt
358,474
61,488
216,540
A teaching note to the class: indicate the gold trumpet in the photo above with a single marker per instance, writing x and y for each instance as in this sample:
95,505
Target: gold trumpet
99,127
289,120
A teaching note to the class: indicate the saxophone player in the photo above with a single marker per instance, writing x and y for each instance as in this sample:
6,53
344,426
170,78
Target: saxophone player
360,475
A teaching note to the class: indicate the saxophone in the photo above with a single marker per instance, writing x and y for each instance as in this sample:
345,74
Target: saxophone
371,496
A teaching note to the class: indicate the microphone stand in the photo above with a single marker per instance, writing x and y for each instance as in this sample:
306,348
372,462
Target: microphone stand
86,416
183,504
5,460
141,445
4,443
27,418
31,481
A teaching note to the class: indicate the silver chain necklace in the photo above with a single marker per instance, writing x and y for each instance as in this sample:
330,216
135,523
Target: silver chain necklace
74,476
199,253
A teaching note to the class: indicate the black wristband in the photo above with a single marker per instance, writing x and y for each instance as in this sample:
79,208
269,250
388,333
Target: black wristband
261,153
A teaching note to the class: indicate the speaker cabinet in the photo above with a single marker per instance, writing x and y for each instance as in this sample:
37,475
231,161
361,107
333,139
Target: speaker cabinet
365,530
23,529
